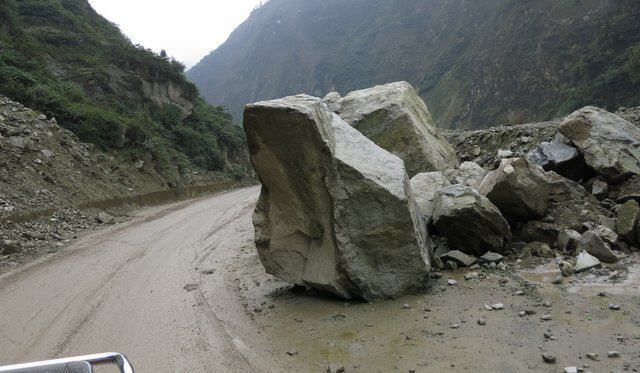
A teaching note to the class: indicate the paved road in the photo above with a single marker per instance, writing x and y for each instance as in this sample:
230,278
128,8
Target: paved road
123,289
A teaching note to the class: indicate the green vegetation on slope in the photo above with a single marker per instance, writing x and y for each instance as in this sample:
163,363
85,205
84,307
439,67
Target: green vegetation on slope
476,63
62,58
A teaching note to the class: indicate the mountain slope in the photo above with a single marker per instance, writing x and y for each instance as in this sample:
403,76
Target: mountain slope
476,63
62,58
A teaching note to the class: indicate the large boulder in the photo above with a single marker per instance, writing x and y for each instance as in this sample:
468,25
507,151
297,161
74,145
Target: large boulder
560,156
336,211
628,220
610,144
519,188
395,117
469,221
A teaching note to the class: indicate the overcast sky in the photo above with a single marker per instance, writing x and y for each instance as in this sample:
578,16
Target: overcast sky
187,29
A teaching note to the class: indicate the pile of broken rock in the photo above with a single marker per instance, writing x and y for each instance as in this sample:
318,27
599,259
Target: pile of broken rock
362,196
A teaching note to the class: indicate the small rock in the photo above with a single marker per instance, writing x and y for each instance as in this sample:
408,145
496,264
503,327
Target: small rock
558,280
292,352
568,240
497,306
104,218
491,257
46,153
546,318
571,370
482,321
607,234
459,257
614,306
190,287
600,188
592,356
450,265
567,269
613,354
334,368
406,306
548,358
522,313
505,153
586,261
452,282
471,276
455,326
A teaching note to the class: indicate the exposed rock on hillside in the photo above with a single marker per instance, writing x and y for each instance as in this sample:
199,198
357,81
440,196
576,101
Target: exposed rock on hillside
47,177
336,212
396,119
64,59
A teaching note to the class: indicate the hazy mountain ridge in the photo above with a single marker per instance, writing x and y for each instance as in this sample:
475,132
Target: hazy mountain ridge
477,64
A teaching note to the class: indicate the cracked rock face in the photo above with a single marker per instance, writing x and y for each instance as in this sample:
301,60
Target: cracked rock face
610,144
395,117
336,211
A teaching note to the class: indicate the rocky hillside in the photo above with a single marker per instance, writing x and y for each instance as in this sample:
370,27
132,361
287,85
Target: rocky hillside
476,63
53,186
62,58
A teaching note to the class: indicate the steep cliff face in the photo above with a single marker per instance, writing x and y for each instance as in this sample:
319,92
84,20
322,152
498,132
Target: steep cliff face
476,63
62,58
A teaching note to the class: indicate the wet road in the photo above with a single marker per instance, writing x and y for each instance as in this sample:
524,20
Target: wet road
123,289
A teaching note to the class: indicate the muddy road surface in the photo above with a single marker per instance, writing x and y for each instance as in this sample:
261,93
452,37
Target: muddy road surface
179,288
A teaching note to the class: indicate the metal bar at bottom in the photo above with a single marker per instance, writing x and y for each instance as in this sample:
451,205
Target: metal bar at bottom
97,359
